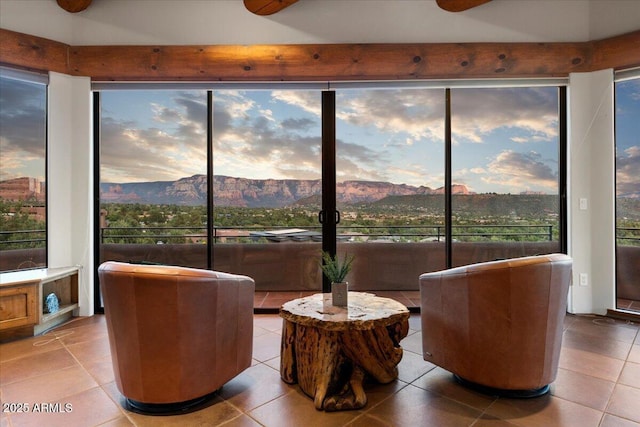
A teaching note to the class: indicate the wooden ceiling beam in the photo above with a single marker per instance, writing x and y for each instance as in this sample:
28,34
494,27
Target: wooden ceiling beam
615,51
459,5
267,7
74,6
329,62
33,53
319,62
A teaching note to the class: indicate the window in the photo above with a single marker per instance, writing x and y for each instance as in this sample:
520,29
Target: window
267,186
234,178
390,180
505,173
153,176
23,194
627,129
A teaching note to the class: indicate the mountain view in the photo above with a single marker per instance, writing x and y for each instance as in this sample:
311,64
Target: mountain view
277,193
242,192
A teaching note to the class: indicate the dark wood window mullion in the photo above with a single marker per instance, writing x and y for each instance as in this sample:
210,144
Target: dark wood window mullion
210,223
97,230
562,168
328,213
447,181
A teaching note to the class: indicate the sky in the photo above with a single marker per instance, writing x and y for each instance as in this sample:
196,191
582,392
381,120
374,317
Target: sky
505,140
628,138
22,129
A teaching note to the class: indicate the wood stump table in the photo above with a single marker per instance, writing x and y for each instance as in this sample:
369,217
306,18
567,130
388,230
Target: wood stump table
329,350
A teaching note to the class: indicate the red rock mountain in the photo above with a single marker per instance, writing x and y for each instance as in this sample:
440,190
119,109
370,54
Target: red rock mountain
243,192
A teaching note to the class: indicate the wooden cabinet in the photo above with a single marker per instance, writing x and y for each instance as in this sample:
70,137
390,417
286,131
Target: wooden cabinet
22,300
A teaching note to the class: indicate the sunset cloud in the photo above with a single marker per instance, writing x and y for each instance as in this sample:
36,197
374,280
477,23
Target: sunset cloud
628,173
533,112
384,135
174,147
516,172
22,129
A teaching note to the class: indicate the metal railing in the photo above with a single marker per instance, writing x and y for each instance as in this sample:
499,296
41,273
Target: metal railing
6,238
543,232
632,238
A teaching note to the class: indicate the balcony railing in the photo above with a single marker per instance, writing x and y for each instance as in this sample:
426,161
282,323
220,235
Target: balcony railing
405,233
23,238
26,238
628,235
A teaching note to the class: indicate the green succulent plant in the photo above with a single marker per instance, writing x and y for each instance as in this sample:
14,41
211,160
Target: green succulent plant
335,269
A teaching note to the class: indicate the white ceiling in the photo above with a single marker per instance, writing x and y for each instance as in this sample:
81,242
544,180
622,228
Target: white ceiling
321,21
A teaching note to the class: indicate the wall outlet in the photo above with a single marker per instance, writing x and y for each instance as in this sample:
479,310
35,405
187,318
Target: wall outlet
583,204
584,279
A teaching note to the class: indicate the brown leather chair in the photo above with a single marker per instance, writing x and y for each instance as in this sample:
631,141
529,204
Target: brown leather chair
176,334
497,326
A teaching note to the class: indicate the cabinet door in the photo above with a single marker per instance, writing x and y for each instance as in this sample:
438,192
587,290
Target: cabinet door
18,306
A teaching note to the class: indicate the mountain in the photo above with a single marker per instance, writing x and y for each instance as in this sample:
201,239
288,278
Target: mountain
244,192
476,205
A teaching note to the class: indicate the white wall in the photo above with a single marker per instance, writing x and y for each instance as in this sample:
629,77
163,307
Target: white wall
69,180
591,177
320,21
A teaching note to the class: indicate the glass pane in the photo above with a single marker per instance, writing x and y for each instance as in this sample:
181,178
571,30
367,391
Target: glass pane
628,194
390,178
153,186
505,147
22,174
267,187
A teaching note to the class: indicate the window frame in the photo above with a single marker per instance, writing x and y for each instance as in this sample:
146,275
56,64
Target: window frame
38,79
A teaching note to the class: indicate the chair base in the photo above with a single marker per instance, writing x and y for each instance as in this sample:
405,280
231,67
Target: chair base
175,408
500,392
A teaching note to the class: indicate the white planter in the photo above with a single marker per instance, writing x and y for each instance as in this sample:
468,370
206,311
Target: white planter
339,294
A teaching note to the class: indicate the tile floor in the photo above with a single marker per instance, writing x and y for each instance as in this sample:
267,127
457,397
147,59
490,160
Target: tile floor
598,384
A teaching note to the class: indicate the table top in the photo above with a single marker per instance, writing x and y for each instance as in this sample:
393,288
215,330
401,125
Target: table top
364,311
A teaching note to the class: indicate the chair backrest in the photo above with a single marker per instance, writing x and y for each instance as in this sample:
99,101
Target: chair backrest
176,332
497,323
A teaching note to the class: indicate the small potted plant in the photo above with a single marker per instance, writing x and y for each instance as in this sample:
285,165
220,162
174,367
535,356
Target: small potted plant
336,271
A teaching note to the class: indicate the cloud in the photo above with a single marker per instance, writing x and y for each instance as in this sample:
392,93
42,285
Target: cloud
298,124
628,173
309,101
418,113
478,112
278,132
22,129
175,148
517,172
292,147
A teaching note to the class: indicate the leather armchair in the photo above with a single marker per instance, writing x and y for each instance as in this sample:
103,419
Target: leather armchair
497,326
176,334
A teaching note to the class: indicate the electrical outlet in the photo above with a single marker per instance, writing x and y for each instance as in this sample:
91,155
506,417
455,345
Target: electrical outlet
583,204
584,279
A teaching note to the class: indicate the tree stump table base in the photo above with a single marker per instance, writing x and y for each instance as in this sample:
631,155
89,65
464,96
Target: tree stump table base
330,350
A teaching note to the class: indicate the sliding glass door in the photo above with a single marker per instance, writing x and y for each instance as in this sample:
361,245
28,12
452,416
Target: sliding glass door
260,180
390,179
153,177
505,173
627,128
267,187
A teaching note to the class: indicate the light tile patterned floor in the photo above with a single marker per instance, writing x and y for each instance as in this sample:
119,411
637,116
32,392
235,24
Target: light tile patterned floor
598,384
